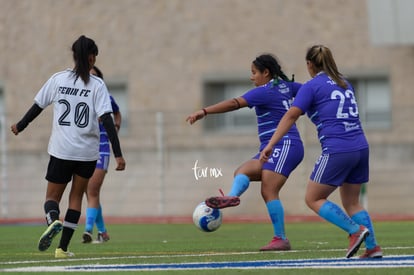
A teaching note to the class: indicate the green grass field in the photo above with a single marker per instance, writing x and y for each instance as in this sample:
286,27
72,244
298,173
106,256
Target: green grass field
138,244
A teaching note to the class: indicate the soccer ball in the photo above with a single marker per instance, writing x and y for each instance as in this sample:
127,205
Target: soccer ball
207,219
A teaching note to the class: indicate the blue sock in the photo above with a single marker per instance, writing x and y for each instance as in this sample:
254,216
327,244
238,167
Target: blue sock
362,217
334,214
277,215
240,184
100,224
90,218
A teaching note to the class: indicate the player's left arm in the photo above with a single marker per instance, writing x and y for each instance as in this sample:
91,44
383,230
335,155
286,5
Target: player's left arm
109,126
117,120
116,113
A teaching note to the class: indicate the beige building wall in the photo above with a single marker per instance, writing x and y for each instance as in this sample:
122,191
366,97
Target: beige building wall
163,50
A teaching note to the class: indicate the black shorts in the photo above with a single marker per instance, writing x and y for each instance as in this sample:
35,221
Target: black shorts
61,171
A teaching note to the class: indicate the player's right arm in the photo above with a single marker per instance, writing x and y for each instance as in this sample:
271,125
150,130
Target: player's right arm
218,108
31,114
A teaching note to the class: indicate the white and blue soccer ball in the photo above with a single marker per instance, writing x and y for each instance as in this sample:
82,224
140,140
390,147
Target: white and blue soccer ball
207,219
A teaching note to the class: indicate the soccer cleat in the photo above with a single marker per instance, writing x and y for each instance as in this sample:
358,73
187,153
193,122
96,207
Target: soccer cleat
376,252
355,240
61,254
86,237
222,202
52,230
102,237
277,244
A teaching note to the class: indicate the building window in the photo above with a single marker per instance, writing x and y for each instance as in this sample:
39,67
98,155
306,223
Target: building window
239,121
374,101
118,90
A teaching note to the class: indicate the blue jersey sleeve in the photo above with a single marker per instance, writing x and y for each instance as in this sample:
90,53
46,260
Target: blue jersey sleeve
115,107
255,97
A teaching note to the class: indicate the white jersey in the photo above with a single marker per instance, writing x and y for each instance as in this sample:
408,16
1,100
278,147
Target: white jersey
77,107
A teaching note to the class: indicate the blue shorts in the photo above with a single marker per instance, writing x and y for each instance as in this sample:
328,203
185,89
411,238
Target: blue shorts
103,161
287,155
104,150
338,168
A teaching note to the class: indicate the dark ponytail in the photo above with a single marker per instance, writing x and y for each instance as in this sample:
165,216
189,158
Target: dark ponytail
270,62
98,72
323,60
82,49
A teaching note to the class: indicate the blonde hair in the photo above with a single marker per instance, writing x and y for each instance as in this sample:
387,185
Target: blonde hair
323,60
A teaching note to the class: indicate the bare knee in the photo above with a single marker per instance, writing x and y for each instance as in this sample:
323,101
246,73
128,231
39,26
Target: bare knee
310,201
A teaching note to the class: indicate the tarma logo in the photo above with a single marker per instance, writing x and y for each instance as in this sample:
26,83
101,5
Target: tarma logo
205,172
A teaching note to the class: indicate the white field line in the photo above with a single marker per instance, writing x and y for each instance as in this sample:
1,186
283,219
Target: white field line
158,256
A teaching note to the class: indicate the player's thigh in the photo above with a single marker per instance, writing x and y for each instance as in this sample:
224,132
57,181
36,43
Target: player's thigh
79,185
96,181
251,168
82,173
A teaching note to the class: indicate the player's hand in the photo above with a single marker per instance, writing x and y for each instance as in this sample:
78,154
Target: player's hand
120,164
265,153
195,116
14,129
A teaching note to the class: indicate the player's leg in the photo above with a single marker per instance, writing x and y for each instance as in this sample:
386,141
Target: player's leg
82,172
58,175
92,210
103,235
350,196
54,194
271,185
373,250
285,158
316,199
350,200
248,171
329,173
99,221
51,206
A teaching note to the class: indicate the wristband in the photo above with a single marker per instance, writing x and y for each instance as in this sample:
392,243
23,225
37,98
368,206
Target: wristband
205,112
237,102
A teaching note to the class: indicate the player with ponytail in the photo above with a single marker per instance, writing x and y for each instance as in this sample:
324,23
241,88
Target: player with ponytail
271,99
329,101
79,101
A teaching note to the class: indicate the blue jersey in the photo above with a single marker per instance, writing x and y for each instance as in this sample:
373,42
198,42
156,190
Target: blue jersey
334,112
271,101
104,148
